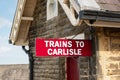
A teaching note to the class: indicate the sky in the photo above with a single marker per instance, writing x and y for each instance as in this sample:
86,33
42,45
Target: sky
9,54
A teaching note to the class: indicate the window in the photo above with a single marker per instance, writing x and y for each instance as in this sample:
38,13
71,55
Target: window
52,9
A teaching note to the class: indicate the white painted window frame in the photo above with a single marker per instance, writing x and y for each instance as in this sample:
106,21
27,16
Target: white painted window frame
52,9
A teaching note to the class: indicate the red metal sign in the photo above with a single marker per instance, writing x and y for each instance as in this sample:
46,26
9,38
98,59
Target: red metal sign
63,47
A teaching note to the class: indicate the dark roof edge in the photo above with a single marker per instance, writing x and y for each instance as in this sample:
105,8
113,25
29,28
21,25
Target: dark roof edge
99,15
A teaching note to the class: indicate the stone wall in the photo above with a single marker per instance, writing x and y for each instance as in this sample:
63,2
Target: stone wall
109,54
14,72
53,68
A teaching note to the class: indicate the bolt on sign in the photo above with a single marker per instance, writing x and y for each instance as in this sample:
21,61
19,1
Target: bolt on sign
63,47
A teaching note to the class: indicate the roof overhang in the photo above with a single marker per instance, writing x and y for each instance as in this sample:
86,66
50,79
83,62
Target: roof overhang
77,11
22,20
89,11
100,18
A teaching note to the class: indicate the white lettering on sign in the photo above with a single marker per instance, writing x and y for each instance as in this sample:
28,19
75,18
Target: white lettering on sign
65,44
64,51
58,43
80,44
